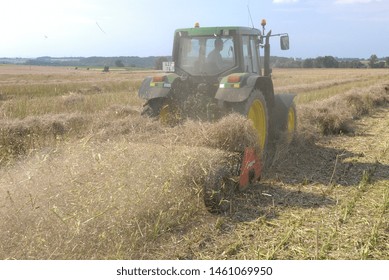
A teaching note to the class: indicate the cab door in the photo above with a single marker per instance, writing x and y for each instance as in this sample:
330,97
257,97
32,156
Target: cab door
250,55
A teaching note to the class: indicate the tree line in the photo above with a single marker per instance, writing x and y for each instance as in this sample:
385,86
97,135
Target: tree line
155,62
318,62
330,62
96,61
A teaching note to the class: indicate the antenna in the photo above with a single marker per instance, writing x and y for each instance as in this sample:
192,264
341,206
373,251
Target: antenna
100,27
248,9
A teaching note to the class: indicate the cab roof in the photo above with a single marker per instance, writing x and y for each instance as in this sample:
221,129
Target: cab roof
219,30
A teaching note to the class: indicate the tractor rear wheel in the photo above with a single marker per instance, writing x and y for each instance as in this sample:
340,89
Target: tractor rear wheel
255,109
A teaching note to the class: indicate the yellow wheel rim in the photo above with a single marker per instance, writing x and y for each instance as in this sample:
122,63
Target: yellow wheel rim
291,124
257,115
169,114
164,114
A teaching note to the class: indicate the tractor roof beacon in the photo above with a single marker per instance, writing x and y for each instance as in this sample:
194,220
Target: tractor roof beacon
216,71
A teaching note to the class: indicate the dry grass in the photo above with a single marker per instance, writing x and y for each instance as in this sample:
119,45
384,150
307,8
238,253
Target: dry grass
316,84
336,114
20,137
83,176
95,208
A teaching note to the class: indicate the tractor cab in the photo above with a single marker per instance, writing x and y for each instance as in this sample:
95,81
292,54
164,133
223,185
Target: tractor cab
220,51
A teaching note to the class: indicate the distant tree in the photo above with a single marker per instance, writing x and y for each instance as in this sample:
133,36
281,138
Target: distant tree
330,62
387,62
284,62
326,62
380,64
119,63
373,61
351,64
318,62
308,63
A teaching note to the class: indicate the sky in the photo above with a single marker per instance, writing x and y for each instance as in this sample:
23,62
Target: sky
71,28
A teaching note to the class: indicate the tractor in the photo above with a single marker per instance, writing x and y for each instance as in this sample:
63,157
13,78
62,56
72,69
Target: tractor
216,71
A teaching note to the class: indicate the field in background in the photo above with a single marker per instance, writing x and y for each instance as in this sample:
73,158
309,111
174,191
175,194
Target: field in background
83,176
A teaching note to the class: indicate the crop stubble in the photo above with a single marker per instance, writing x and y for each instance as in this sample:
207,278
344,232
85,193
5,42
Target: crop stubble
113,185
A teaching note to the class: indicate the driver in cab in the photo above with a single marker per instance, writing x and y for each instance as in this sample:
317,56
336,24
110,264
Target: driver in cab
214,59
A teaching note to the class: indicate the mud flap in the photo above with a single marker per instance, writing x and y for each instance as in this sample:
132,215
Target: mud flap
251,168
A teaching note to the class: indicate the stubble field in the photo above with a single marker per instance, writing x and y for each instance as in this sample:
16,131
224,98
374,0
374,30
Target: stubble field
84,176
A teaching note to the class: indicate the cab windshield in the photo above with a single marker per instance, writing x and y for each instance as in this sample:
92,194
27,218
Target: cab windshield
206,55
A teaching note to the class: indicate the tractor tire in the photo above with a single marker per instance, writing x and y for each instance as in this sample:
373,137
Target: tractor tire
255,109
152,108
284,118
170,113
219,190
163,109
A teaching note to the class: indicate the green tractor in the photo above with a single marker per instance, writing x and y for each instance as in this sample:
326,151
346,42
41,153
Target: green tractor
216,71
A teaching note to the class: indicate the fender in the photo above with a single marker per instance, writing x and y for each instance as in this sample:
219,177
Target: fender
236,91
157,86
240,91
284,99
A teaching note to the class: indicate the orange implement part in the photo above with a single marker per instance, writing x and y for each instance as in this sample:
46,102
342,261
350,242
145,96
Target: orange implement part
251,168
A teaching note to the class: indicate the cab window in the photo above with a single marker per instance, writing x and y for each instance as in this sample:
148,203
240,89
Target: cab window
199,55
250,54
247,59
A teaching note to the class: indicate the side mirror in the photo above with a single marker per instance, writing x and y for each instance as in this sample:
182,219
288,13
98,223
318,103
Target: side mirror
284,41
